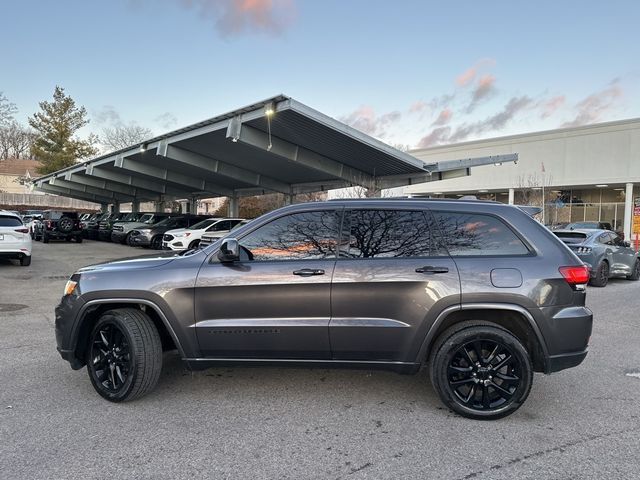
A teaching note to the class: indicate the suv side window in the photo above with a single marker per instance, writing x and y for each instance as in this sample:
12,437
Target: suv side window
478,234
299,236
387,234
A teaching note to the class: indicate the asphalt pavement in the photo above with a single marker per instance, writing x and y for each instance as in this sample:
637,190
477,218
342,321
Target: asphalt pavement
298,423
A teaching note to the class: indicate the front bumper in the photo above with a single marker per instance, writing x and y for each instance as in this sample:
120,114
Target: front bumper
117,236
141,240
65,314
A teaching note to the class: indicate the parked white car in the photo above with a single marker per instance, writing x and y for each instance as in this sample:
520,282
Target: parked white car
183,238
210,237
15,241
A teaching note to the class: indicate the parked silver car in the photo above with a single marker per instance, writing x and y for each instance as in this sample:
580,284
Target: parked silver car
604,252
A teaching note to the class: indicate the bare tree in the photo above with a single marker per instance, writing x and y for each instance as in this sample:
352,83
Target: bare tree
7,110
122,136
15,141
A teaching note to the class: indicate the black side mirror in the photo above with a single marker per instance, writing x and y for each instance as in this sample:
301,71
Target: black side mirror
626,244
229,251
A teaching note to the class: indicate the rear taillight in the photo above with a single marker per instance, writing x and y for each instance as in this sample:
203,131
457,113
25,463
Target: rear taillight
22,230
577,277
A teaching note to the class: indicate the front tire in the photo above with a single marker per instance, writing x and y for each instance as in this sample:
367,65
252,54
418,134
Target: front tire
156,242
480,370
124,355
601,277
635,273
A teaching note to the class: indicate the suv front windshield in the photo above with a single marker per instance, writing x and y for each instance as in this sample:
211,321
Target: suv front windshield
146,218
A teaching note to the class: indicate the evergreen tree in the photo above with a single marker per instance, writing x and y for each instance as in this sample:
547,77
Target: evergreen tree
55,125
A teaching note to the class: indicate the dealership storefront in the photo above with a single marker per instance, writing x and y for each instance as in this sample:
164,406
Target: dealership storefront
589,173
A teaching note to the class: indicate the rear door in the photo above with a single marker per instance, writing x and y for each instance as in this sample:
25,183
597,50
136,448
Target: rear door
391,280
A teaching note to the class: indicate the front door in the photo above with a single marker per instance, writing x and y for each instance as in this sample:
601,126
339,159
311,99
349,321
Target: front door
390,275
275,302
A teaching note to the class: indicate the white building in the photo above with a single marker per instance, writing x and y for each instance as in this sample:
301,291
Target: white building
586,173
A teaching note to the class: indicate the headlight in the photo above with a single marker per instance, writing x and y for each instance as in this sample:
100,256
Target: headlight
70,287
177,235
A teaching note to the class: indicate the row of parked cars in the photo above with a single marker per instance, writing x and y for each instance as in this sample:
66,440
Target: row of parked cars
145,229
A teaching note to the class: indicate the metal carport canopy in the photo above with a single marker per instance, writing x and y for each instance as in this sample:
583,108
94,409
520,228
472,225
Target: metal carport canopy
277,145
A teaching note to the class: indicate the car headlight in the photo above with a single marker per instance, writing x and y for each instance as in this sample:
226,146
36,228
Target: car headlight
177,235
70,287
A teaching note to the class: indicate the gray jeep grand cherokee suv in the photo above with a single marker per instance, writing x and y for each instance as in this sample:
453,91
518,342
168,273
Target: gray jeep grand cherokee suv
479,292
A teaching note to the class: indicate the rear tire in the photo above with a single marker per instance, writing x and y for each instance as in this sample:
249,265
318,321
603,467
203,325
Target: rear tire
480,370
635,273
601,277
124,355
25,261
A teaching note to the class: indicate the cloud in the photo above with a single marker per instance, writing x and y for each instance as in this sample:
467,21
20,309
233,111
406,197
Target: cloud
234,17
365,119
494,122
592,108
443,118
166,120
418,106
550,106
436,137
107,115
484,90
468,76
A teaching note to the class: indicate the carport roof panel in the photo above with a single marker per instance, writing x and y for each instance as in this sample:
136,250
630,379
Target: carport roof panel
294,125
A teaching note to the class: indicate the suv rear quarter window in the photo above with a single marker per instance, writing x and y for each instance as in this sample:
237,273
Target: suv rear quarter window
478,234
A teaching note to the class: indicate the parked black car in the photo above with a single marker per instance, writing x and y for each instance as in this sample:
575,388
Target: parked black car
91,226
151,236
58,225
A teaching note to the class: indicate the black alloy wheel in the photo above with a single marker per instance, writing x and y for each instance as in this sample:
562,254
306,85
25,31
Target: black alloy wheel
480,370
110,358
484,374
124,355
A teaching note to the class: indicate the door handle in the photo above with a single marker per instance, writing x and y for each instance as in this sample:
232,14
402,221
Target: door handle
308,272
430,269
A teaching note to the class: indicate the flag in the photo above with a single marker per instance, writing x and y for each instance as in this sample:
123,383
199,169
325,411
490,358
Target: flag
542,167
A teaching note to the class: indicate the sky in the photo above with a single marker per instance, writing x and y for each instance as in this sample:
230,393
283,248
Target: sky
414,73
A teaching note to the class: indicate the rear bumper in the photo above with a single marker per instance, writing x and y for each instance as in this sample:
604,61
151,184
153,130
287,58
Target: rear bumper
570,331
556,363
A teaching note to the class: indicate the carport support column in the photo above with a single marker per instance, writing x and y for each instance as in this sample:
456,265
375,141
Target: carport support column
104,207
288,198
135,206
115,208
628,212
160,206
193,206
234,206
512,194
